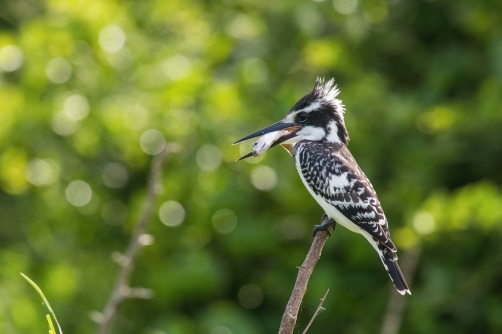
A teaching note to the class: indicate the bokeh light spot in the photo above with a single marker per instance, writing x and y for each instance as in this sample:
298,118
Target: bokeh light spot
152,142
64,125
171,213
11,58
224,221
146,239
78,193
114,175
58,70
244,26
112,39
406,238
250,296
76,107
176,67
42,172
345,7
263,178
375,11
424,223
209,157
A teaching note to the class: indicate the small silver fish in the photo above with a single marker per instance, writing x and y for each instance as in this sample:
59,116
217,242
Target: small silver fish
263,143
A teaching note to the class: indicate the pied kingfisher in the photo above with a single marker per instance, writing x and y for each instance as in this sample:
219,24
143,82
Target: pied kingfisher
314,133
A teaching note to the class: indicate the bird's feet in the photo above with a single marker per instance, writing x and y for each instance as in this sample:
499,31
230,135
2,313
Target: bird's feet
326,223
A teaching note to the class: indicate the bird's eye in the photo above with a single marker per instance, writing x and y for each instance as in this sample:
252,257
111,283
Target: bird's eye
301,117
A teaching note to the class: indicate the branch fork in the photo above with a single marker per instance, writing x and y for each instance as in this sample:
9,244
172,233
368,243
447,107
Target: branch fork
291,314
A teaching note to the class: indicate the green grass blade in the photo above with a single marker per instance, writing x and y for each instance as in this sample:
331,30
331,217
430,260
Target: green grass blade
51,325
35,286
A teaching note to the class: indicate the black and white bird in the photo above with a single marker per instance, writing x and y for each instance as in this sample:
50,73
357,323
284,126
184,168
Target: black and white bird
314,133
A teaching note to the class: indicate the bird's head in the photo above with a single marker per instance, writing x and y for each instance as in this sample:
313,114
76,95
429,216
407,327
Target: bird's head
318,116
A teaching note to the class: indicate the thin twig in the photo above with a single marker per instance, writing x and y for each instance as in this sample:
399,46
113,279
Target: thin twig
127,264
319,309
290,315
395,308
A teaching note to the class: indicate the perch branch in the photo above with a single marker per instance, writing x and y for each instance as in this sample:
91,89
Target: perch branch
319,309
127,262
290,315
395,308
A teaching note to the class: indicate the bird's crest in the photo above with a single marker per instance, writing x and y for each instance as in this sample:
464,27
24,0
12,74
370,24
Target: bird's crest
327,91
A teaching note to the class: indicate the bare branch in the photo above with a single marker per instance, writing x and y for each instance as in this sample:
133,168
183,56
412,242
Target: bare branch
319,309
290,315
395,308
121,287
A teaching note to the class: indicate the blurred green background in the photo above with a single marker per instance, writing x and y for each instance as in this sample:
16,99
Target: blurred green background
90,89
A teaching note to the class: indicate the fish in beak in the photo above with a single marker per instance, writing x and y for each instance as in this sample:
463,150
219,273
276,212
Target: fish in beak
270,136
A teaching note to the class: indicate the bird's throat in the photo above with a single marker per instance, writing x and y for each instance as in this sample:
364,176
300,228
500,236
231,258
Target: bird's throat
288,147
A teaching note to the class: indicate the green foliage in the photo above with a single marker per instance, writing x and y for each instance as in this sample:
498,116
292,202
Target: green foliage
83,82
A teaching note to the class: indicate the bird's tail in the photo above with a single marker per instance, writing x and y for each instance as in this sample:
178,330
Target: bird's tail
389,260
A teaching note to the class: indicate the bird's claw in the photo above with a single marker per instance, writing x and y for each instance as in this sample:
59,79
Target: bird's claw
326,223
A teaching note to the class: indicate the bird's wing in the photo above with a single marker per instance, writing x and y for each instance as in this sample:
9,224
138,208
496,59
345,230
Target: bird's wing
332,173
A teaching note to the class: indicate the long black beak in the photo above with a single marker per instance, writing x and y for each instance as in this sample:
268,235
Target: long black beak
274,127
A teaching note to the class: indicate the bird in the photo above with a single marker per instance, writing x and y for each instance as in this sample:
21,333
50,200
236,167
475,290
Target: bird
315,135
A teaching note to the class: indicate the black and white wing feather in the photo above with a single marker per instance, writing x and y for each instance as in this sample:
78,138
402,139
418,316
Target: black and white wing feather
332,173
345,193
